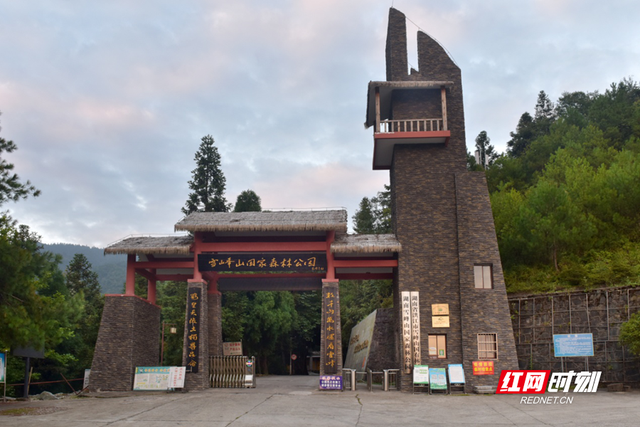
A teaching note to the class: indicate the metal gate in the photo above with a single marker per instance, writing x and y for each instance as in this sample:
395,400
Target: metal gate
232,371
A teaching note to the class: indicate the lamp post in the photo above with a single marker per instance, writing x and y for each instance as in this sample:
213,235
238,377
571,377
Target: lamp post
172,330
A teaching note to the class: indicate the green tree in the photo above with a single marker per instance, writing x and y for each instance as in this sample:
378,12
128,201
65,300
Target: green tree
522,137
630,334
208,182
364,220
248,201
172,297
485,153
83,282
10,186
374,214
31,313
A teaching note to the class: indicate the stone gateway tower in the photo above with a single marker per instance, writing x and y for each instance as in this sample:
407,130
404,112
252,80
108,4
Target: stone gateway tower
450,296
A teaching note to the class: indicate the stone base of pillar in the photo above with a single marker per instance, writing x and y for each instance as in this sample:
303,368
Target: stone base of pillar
128,337
195,355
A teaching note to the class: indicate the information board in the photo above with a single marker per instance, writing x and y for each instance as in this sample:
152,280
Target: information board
176,376
438,378
3,364
456,374
421,374
159,377
151,378
330,382
573,345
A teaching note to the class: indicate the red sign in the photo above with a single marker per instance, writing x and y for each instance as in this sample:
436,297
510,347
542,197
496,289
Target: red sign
523,382
483,368
294,357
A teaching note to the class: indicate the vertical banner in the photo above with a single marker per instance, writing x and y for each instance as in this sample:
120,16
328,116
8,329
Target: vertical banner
3,363
415,327
193,328
406,331
329,314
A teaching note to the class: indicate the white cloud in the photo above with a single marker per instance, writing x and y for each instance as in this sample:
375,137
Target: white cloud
107,102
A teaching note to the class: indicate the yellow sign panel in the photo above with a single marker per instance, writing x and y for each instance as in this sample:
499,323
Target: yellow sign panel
440,321
440,309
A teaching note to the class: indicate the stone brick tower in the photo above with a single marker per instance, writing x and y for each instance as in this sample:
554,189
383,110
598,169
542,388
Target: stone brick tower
450,296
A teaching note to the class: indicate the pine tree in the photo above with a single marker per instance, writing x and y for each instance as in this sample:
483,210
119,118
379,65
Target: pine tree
208,182
82,281
10,186
248,201
485,153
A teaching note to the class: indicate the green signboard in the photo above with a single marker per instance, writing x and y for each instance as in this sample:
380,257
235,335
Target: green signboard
421,374
438,378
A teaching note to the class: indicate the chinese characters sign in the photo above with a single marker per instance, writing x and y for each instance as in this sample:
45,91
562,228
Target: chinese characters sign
573,345
483,367
410,329
330,315
300,262
535,382
193,328
415,327
330,382
232,348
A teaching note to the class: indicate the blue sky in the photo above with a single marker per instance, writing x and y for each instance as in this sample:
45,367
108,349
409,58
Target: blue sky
107,101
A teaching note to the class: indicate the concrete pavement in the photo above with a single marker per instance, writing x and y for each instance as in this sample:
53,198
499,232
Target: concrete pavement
295,401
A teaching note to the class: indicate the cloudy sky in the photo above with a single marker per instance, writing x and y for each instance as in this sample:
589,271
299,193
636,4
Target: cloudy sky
108,101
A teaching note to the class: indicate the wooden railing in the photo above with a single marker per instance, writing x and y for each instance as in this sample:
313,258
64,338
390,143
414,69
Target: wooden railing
412,125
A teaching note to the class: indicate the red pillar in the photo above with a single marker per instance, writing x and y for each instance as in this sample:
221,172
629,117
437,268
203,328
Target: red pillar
130,287
151,289
331,271
197,249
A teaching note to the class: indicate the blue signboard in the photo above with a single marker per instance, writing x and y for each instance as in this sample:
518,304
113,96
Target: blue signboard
3,363
330,382
573,345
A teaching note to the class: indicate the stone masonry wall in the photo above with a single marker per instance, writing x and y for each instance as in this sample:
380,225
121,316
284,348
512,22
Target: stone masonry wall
129,336
484,310
382,353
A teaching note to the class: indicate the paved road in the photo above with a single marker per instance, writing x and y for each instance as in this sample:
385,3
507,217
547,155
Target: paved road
295,401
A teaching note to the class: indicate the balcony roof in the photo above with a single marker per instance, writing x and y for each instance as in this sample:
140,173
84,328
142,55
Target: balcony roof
386,89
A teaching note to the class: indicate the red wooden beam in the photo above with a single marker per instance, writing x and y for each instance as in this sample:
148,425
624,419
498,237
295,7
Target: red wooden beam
174,277
146,274
361,263
268,275
364,276
165,264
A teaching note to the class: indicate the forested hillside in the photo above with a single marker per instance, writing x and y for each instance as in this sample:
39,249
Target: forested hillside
566,194
111,269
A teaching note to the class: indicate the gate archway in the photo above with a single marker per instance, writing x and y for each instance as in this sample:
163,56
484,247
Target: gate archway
247,251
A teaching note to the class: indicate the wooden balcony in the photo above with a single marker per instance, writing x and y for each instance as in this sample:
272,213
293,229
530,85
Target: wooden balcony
387,132
411,131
